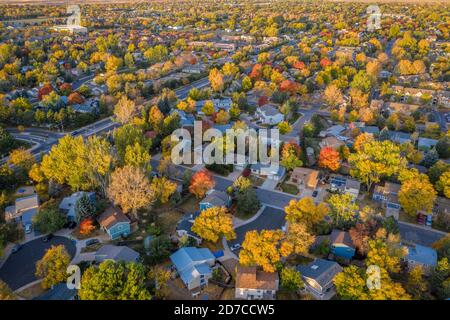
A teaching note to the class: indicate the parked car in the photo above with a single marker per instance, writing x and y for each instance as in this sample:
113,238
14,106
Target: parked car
48,237
429,220
17,247
70,225
91,242
235,247
315,193
28,228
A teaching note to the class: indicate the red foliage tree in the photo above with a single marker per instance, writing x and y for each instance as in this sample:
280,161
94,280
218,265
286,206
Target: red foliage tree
65,88
201,182
324,62
86,226
44,90
262,101
329,159
256,71
75,98
288,86
299,65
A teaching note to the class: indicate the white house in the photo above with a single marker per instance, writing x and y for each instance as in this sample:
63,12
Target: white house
24,209
268,114
194,266
255,284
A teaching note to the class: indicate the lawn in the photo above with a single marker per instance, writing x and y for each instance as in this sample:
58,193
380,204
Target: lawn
257,181
289,188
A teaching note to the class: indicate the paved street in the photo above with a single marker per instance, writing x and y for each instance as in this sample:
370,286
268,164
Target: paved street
20,267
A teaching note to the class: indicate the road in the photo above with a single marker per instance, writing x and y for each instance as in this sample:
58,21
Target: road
19,268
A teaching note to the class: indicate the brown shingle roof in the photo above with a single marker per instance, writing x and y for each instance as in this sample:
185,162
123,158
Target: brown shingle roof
112,216
252,278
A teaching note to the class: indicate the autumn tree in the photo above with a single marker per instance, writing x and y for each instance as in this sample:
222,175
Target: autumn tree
114,281
291,279
23,160
48,220
376,160
305,211
6,293
52,267
290,156
155,119
208,108
416,192
284,127
242,183
361,140
248,202
329,158
297,240
124,110
160,278
333,95
261,249
216,79
130,189
342,209
163,188
416,284
137,156
200,183
213,223
87,226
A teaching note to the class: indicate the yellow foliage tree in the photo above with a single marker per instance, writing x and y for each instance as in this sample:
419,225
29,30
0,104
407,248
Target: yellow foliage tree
214,223
52,267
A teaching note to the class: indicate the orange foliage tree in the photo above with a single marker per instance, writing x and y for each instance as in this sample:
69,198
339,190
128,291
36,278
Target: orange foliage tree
86,226
201,182
75,98
329,159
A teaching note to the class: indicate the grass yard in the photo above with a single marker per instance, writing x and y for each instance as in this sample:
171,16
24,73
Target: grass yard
289,188
168,221
287,295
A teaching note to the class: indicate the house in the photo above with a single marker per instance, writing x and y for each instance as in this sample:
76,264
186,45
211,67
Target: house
331,142
268,114
271,171
374,130
215,198
90,106
387,195
332,131
67,205
59,292
418,255
308,178
116,253
399,137
24,209
318,276
345,185
341,244
194,266
115,223
426,144
184,227
255,284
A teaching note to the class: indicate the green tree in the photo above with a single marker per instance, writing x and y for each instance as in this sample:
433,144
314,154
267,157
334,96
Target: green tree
48,220
342,209
248,202
290,279
84,207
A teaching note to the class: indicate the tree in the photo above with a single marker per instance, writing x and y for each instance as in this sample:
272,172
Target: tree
333,95
23,160
129,135
385,251
443,185
155,119
376,160
284,127
163,189
416,193
360,235
86,226
200,183
261,249
361,140
84,208
242,183
443,147
439,279
216,79
160,277
213,223
342,209
222,117
137,156
114,281
52,268
75,98
208,108
124,110
247,84
290,156
159,249
416,284
130,189
48,220
305,211
297,240
291,279
329,158
6,293
248,202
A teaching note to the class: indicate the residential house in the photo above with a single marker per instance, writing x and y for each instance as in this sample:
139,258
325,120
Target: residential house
184,227
318,276
304,177
345,185
270,171
269,114
116,253
255,284
215,198
426,144
24,209
331,142
115,223
89,106
399,137
194,69
387,195
332,131
443,98
425,257
194,266
67,205
341,244
374,130
396,107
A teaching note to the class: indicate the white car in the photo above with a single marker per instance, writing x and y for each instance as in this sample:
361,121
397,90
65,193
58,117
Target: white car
28,228
235,247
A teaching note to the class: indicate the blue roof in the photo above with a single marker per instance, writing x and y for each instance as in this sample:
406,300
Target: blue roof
191,260
423,255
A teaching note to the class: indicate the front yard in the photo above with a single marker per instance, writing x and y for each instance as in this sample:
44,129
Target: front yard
289,188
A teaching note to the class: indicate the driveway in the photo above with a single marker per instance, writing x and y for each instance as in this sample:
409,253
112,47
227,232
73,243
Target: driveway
270,219
19,269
